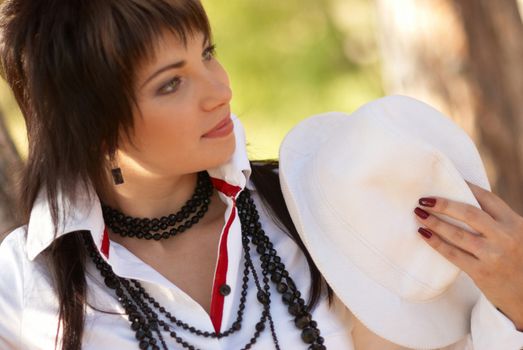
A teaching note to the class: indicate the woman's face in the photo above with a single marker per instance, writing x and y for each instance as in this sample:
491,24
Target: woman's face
178,105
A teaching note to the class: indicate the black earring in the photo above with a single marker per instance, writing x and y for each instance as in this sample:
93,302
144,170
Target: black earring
116,171
117,176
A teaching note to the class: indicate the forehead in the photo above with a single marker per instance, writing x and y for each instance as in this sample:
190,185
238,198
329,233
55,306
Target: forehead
169,38
168,46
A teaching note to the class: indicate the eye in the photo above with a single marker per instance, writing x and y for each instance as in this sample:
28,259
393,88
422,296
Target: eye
171,86
210,52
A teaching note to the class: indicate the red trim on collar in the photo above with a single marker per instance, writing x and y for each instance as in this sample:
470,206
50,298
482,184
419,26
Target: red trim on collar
105,243
224,187
220,277
221,274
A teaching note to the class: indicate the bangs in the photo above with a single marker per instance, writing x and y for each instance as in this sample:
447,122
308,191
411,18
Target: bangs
140,23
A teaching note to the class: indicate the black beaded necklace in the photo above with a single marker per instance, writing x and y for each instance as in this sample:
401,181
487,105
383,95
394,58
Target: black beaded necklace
141,227
137,302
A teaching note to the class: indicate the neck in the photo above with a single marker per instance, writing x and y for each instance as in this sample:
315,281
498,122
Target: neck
145,193
148,197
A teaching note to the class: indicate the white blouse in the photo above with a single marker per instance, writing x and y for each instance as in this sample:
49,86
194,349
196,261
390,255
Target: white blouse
28,306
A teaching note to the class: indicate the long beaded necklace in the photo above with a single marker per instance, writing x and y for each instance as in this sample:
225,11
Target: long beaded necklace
137,302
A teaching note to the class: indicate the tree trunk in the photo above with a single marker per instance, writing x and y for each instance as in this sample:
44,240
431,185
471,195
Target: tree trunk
464,57
495,39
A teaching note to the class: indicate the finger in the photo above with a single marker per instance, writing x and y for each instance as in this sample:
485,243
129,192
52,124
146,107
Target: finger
477,219
455,255
491,203
453,234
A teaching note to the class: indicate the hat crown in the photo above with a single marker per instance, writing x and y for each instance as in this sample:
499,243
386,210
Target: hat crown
384,172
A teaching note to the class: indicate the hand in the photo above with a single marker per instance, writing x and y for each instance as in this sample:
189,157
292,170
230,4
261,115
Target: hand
493,259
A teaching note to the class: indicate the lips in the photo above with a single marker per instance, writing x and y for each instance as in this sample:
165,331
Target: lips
220,124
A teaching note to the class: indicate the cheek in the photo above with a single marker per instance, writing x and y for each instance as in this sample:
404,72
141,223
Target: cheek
167,127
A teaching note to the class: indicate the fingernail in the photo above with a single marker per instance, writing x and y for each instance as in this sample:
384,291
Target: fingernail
426,233
427,201
421,213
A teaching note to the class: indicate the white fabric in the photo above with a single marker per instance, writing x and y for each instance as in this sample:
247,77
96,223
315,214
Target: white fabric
28,307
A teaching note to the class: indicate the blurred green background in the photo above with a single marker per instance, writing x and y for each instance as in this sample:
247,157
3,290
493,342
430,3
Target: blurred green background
286,60
291,59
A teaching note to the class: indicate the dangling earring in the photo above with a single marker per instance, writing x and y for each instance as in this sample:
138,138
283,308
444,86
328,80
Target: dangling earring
115,170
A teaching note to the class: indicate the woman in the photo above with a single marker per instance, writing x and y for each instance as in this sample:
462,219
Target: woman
132,143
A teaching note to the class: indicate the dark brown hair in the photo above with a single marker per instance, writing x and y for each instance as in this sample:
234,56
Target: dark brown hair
70,65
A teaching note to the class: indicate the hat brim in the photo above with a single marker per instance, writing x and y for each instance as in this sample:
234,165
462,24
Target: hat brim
433,324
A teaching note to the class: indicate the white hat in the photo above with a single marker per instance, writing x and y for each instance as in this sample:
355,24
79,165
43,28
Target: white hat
351,183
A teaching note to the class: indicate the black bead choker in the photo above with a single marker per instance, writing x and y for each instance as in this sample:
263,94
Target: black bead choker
128,226
147,324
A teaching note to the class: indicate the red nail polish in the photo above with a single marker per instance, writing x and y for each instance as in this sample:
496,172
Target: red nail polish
421,213
426,233
427,201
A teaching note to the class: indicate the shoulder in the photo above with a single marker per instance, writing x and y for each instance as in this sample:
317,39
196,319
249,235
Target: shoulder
12,249
13,260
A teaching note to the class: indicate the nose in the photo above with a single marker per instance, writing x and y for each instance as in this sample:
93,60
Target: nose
216,92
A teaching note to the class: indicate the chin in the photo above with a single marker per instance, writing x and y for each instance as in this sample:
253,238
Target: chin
229,150
221,154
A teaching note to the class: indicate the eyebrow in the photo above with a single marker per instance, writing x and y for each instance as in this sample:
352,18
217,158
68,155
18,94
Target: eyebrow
178,64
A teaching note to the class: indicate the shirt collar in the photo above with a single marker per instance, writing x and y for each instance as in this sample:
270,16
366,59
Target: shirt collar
229,178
